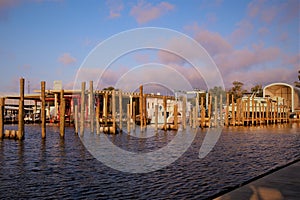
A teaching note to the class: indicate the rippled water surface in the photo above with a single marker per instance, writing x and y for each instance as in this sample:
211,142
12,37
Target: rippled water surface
64,168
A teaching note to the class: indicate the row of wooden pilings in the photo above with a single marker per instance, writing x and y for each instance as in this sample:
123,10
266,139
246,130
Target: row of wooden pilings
239,112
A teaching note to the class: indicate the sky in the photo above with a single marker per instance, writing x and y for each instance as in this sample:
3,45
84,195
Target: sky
254,42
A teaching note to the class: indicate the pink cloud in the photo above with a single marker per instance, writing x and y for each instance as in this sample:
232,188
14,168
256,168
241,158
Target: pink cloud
260,76
67,59
263,31
246,58
243,30
144,12
115,8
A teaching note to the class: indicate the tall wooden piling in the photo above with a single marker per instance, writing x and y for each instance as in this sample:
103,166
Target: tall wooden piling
248,111
141,107
133,115
121,110
233,110
183,112
2,108
113,114
91,106
55,105
165,112
156,117
227,110
202,113
216,111
221,110
20,133
43,109
82,108
62,111
209,110
76,118
252,111
238,111
97,116
128,118
175,116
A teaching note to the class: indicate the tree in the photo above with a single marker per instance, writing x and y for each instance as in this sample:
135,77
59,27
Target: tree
258,90
237,90
218,91
110,88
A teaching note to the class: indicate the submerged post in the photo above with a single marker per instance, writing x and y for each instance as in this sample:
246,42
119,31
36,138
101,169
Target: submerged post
43,111
97,116
82,108
2,107
20,133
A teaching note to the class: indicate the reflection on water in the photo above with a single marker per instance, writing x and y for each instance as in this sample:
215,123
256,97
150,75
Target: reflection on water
57,168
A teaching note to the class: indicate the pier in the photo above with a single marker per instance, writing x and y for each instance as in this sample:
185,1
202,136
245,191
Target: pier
103,110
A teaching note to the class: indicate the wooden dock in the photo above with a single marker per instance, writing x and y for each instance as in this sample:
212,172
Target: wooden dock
102,110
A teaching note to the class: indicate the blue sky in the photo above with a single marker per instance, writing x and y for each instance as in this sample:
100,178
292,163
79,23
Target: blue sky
255,42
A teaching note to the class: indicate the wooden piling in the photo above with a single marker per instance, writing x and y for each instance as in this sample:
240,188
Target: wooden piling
141,107
156,117
233,110
227,110
195,118
175,116
165,112
238,111
252,111
43,109
76,118
105,108
113,114
183,112
20,133
121,111
62,111
91,106
97,116
133,115
128,118
216,111
202,113
55,105
2,108
209,110
82,109
221,111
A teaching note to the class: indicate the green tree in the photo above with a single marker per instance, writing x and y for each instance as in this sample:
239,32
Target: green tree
218,91
237,90
258,90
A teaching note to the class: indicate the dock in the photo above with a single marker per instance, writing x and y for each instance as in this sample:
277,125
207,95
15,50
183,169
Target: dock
103,110
282,183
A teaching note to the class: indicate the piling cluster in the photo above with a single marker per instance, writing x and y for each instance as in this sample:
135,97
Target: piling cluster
102,111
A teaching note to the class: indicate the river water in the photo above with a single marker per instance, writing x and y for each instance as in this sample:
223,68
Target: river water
64,169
